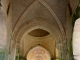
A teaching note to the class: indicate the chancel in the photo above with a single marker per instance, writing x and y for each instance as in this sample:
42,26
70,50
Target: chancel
39,29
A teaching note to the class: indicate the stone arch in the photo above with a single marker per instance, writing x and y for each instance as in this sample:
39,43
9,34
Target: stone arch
38,52
35,24
42,24
51,55
48,8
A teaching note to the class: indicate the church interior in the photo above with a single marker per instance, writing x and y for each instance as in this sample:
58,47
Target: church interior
38,29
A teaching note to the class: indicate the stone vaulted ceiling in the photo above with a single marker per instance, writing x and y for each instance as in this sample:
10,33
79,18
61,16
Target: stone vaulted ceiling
38,15
33,23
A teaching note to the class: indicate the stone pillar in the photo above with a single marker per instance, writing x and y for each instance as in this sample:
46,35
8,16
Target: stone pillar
59,47
13,52
17,54
63,51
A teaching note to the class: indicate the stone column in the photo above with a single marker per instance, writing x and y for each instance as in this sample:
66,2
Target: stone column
13,52
63,50
59,47
17,54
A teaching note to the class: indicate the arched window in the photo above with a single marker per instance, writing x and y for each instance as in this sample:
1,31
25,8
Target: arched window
76,40
3,32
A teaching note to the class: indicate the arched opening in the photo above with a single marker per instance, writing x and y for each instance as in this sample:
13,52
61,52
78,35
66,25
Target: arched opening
38,53
76,40
38,33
